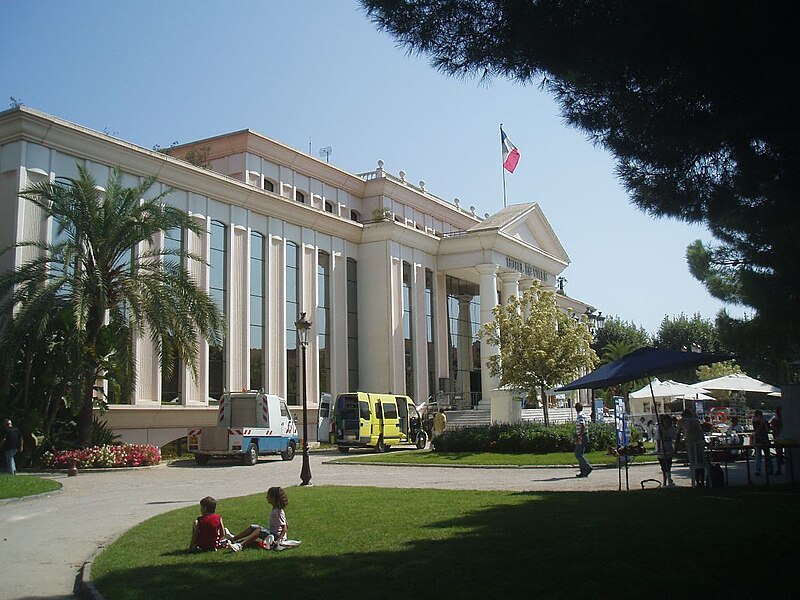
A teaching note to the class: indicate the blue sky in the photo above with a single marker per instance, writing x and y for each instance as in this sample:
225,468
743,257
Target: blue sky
318,72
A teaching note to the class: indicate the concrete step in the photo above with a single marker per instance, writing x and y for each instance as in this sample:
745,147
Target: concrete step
478,417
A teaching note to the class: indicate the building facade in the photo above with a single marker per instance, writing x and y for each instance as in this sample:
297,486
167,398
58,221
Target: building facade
395,280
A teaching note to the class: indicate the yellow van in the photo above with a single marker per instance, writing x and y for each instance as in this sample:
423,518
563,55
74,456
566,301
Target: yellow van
363,420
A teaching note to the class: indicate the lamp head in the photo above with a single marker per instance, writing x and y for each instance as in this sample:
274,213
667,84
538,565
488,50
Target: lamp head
303,325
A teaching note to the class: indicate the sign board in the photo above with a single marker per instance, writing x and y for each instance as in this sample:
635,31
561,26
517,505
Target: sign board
598,411
620,421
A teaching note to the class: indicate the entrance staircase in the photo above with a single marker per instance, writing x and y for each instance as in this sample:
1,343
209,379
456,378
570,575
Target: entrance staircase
482,416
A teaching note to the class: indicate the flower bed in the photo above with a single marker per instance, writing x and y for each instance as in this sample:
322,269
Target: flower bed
123,455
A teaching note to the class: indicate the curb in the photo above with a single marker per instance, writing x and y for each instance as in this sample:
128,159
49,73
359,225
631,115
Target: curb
160,465
85,589
4,501
340,462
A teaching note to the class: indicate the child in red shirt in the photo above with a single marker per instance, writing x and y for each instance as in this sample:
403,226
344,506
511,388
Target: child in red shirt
208,531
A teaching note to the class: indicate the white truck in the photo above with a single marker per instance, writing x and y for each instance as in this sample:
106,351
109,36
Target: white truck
249,425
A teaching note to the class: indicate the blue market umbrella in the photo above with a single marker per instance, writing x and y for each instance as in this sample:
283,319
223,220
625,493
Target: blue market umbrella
641,363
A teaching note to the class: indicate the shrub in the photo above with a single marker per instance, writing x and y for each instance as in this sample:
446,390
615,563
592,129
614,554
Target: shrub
123,455
525,437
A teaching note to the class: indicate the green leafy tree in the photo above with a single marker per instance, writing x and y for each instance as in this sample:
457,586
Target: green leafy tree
720,369
37,377
686,334
668,88
116,284
541,346
615,331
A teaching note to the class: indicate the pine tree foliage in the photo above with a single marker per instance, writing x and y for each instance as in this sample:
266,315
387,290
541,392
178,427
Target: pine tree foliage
694,100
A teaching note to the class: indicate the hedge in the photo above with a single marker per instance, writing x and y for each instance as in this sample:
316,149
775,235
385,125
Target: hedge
525,437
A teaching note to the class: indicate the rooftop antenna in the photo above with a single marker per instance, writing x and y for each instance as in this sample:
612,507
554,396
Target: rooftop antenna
326,152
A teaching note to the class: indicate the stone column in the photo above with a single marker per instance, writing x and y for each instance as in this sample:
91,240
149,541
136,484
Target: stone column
194,391
488,290
510,286
524,285
790,401
237,348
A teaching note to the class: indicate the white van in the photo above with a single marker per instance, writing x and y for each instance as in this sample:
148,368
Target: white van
249,425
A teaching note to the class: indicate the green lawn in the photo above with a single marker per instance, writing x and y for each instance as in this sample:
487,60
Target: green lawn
425,457
25,485
369,542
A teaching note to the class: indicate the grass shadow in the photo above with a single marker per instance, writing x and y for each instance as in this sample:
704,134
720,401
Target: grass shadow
453,544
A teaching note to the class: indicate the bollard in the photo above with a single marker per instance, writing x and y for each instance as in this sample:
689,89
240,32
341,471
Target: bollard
73,468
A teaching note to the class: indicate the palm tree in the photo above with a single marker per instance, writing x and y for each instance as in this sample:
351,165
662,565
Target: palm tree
118,284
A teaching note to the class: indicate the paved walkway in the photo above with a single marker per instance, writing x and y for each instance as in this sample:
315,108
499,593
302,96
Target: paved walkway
45,540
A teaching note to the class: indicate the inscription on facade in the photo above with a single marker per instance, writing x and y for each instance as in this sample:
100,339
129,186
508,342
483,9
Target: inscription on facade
529,270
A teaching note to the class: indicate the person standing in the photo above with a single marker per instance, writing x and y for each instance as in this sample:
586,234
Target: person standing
692,432
12,444
776,426
665,448
761,441
439,423
581,441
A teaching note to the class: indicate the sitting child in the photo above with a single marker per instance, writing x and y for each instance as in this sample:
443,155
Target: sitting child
269,537
208,531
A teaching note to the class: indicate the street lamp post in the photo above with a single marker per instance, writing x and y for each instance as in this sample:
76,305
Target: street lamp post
303,325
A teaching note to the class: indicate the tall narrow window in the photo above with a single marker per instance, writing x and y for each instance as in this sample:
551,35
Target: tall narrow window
171,383
256,311
430,340
408,338
292,314
217,277
323,320
352,325
463,320
58,268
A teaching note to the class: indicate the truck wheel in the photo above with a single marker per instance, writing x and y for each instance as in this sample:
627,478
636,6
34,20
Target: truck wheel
201,459
380,446
422,440
251,456
290,452
343,449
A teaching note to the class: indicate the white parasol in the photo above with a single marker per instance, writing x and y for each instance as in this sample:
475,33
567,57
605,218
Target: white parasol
668,389
737,382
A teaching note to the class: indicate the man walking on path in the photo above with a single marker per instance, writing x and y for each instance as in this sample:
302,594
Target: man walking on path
581,440
12,443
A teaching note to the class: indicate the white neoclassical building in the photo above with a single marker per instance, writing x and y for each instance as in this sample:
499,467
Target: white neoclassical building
395,280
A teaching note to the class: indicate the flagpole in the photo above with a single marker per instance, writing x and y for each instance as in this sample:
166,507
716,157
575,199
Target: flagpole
502,168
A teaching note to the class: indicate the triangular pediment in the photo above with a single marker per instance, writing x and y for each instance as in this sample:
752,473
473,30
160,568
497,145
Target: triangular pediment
526,223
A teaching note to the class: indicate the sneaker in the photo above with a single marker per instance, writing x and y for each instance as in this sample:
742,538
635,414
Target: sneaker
236,547
582,475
